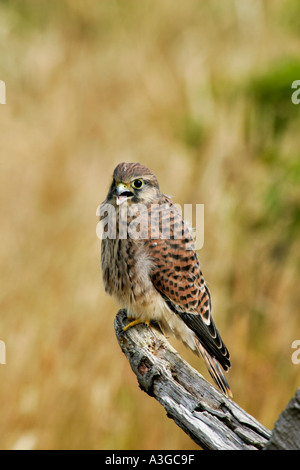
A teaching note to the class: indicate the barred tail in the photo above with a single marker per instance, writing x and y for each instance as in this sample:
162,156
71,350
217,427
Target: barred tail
214,369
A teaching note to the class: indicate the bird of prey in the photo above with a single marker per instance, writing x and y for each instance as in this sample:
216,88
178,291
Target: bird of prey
149,264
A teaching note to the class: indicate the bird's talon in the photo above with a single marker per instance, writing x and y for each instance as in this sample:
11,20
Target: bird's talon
135,322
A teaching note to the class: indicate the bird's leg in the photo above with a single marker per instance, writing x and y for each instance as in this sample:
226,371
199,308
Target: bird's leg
135,322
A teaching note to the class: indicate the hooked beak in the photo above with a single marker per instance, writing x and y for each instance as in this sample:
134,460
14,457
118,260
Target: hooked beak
123,193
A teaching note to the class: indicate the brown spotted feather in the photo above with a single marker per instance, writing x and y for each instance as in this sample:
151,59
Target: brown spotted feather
157,276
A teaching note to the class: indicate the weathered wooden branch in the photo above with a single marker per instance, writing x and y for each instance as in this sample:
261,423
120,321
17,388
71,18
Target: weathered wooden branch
213,421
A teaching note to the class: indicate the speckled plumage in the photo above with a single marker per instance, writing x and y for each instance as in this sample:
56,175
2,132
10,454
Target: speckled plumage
152,268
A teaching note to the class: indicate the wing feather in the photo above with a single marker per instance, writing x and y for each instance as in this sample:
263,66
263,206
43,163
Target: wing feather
178,278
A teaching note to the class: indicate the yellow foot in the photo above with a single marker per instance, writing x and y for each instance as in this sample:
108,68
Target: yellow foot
135,322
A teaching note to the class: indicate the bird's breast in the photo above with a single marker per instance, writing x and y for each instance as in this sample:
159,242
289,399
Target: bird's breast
125,270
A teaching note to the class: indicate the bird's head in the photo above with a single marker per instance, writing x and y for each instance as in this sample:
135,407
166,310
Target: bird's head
134,183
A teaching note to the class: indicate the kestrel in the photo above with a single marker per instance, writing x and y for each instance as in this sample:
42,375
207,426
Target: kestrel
149,264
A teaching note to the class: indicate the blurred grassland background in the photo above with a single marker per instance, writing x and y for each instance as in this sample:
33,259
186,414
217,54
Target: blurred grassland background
200,92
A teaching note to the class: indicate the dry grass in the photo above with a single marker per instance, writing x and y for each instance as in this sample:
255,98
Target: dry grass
186,91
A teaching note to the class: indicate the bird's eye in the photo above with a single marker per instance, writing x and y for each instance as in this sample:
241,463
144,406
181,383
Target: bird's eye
137,184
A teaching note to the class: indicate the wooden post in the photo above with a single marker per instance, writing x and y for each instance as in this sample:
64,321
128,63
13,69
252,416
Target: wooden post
286,433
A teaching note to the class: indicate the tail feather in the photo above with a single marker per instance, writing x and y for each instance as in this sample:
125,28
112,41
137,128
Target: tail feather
214,369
